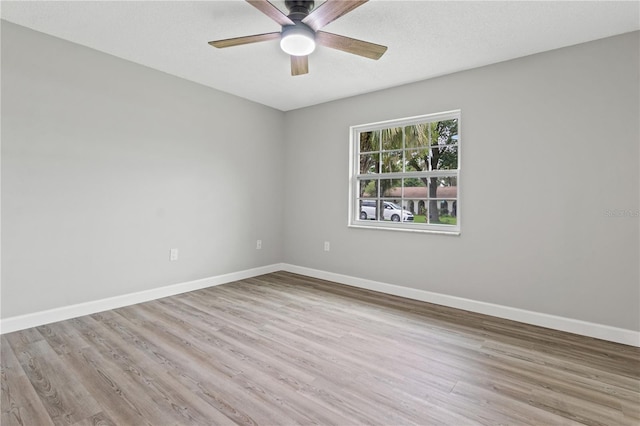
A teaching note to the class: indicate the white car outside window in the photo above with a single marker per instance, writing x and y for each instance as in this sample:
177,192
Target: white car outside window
392,211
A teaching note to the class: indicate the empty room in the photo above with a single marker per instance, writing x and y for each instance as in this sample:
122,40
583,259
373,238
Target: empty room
337,212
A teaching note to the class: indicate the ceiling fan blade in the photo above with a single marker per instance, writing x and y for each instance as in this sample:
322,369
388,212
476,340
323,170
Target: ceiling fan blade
329,11
299,65
271,11
228,42
350,45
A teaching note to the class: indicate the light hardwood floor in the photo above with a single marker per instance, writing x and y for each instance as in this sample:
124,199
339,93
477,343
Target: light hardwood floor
286,349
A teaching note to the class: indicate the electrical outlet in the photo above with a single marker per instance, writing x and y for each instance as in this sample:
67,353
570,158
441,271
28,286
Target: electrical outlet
327,246
173,254
259,245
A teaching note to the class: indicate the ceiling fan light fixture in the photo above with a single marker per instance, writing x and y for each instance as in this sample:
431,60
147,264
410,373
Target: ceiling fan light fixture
301,31
298,40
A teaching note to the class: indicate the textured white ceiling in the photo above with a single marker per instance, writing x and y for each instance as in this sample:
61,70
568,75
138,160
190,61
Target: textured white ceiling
425,39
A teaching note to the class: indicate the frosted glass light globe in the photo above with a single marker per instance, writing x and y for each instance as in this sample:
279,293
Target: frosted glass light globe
298,40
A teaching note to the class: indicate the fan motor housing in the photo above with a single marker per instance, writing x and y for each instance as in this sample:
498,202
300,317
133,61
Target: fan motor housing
299,9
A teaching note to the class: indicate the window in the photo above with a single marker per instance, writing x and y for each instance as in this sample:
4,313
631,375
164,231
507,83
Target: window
405,174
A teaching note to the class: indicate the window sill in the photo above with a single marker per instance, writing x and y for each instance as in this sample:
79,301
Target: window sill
385,227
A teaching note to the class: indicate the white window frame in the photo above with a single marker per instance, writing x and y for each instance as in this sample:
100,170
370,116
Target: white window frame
354,175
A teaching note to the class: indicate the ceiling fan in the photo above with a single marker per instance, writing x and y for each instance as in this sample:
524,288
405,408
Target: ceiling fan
301,31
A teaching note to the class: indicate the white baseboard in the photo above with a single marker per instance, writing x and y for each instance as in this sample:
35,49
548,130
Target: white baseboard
584,328
599,331
35,319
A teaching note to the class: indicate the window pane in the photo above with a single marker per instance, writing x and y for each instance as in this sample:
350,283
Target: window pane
395,210
416,160
447,132
391,162
415,192
369,163
391,188
445,187
442,206
368,188
372,209
369,141
391,138
368,209
443,212
417,136
415,188
445,157
418,207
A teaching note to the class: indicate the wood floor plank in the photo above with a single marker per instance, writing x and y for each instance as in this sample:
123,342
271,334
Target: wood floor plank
276,367
64,397
100,419
288,349
110,385
193,369
252,377
19,401
249,350
169,400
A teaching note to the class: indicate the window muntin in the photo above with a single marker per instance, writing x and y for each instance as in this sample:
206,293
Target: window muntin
405,174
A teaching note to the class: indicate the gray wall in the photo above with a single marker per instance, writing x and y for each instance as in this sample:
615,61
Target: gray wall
106,165
550,142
